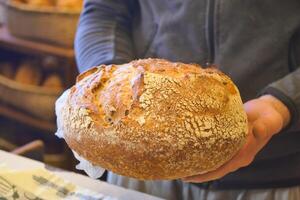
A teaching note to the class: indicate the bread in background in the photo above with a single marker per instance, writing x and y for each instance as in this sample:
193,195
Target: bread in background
28,73
64,4
53,81
41,2
7,70
70,4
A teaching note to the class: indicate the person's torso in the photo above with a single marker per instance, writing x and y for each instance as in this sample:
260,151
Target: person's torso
255,42
245,39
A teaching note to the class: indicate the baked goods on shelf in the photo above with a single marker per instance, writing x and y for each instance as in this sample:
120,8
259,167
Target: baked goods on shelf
55,25
70,4
64,4
41,2
27,85
34,72
53,81
154,119
28,73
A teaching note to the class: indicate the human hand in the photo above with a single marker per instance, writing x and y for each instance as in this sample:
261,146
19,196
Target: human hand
266,117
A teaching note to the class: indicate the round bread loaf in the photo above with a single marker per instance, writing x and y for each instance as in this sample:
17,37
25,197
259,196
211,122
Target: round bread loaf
154,119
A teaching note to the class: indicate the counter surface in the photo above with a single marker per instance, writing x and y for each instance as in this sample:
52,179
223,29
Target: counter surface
19,163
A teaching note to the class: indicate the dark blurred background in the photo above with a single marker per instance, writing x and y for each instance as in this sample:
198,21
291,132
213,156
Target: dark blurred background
37,63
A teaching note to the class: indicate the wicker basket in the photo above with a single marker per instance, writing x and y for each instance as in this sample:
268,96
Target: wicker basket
50,25
37,101
2,11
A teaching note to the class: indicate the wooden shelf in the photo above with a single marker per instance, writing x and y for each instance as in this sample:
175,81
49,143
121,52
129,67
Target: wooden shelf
32,47
35,48
28,47
11,113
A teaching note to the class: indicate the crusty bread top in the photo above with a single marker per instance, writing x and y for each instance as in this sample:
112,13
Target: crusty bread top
154,119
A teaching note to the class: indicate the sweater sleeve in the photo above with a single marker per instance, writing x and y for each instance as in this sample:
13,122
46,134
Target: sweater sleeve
104,33
287,90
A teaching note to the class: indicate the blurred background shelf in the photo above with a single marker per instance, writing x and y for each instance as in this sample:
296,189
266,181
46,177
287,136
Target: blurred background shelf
17,127
14,114
28,47
32,47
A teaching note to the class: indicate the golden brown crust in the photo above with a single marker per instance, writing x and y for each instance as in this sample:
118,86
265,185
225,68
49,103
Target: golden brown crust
154,119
